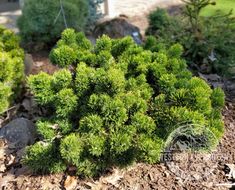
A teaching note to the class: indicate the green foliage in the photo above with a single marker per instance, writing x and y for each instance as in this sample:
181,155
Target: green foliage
39,22
41,85
71,148
62,79
208,41
11,67
53,128
159,20
5,93
217,98
42,158
63,56
65,102
122,110
45,128
94,13
67,51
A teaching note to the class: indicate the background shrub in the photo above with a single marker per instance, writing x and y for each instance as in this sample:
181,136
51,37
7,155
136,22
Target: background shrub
94,12
11,67
208,41
37,23
119,110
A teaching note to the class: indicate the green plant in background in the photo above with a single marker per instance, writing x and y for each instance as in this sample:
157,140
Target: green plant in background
208,41
11,67
167,29
41,22
115,103
94,13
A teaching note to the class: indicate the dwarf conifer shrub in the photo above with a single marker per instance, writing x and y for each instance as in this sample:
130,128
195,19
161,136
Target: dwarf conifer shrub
41,22
11,67
116,104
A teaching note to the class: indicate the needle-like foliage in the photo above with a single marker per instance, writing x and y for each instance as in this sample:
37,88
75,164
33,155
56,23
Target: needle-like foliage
11,67
118,105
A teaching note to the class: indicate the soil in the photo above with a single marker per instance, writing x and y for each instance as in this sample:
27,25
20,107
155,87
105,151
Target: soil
186,170
41,62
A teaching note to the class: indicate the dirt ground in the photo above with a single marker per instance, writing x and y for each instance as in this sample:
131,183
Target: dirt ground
188,171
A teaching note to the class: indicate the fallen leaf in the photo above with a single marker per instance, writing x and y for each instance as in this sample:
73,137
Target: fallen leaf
70,183
231,174
113,179
10,160
2,167
5,180
56,126
38,63
96,186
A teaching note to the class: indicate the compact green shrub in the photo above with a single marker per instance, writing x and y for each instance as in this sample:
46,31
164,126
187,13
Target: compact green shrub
208,42
116,104
41,23
11,67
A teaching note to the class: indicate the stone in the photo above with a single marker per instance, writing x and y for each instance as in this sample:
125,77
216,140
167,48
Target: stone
20,132
27,104
28,62
118,28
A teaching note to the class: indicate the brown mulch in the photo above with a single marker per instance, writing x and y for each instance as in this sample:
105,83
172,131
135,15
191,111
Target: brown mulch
42,63
187,171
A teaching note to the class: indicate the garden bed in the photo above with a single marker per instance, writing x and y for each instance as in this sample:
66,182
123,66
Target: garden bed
177,169
189,171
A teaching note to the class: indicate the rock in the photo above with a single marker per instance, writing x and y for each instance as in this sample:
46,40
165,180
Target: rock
230,89
27,104
206,68
20,131
210,77
118,28
28,63
230,85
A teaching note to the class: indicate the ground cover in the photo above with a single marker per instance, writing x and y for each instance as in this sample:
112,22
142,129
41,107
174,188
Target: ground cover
221,5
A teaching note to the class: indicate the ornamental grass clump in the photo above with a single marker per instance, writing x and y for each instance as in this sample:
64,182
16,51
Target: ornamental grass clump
11,67
115,103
